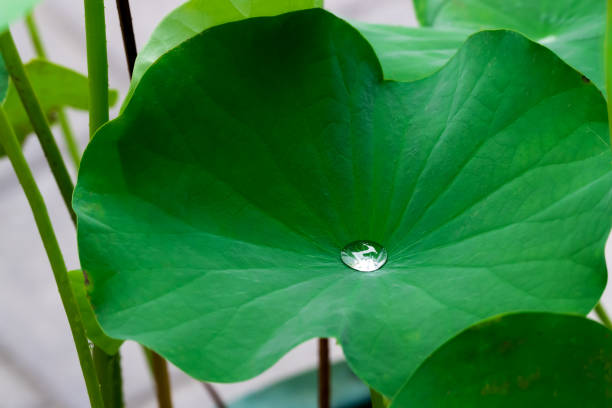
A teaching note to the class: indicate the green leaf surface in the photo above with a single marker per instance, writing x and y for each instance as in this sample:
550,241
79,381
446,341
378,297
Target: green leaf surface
409,53
92,327
213,211
301,391
195,16
12,10
56,87
574,30
528,360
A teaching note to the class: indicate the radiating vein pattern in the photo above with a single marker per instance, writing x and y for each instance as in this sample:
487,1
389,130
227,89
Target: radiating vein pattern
213,212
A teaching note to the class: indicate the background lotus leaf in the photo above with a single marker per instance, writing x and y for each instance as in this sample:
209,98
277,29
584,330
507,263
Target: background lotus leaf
55,87
525,360
572,29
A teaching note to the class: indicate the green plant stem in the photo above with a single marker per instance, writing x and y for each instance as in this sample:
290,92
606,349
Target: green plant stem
378,401
35,36
13,150
158,368
69,138
108,368
97,64
97,71
38,119
603,315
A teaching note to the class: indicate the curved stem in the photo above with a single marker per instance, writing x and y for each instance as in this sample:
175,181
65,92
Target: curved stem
97,64
324,374
603,315
127,32
69,138
13,150
37,118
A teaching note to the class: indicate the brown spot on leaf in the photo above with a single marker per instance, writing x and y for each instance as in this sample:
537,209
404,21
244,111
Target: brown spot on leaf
495,389
526,381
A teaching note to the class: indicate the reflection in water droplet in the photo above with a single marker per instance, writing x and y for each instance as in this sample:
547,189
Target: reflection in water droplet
364,256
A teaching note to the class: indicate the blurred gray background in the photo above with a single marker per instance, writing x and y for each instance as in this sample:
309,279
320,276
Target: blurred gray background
38,364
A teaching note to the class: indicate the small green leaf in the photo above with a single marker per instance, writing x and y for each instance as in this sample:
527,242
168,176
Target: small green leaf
213,211
528,360
572,29
55,87
13,10
92,327
195,16
300,391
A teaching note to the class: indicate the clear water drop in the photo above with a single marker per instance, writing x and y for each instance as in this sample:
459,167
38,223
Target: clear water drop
364,256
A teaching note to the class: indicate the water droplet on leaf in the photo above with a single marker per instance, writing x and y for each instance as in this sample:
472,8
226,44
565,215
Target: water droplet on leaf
364,256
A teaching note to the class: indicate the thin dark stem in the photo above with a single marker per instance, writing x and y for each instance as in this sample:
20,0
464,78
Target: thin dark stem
162,380
214,395
127,32
324,374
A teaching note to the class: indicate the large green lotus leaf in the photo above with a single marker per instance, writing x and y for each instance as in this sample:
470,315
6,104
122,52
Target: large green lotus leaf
195,16
409,53
212,212
528,360
572,29
55,87
13,10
